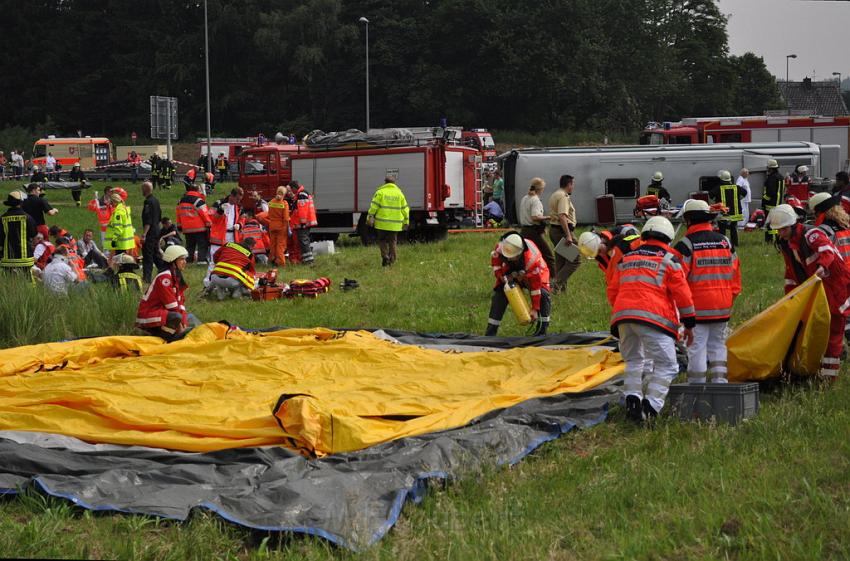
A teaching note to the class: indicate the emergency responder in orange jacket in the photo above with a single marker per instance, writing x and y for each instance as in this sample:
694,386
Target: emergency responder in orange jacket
193,220
233,274
518,259
649,296
807,251
224,216
162,309
714,277
209,182
278,218
189,178
303,219
251,228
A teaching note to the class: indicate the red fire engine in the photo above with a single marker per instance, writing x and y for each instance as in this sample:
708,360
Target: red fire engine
723,130
441,181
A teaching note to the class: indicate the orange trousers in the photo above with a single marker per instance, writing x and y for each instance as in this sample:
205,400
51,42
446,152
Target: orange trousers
277,247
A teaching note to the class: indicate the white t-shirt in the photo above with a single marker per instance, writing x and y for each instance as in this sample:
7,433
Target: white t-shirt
50,163
58,276
745,183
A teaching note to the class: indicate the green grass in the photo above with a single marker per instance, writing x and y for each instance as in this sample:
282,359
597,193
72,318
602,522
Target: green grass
776,487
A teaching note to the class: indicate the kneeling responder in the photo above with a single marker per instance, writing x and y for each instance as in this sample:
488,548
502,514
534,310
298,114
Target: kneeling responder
649,295
162,310
519,260
233,274
807,251
714,277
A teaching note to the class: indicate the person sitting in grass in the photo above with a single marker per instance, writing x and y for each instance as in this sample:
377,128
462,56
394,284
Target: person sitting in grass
123,273
162,309
59,275
168,233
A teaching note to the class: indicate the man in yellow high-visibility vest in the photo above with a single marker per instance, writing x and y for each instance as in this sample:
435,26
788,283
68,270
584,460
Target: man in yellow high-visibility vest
389,215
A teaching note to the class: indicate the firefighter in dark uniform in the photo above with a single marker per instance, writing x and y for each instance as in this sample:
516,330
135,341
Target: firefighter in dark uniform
774,193
17,229
79,177
656,188
155,177
729,195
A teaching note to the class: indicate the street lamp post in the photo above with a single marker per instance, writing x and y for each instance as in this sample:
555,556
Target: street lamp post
366,21
839,79
207,61
787,57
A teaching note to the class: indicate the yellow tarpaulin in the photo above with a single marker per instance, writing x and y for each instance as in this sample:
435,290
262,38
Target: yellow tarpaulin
759,347
219,389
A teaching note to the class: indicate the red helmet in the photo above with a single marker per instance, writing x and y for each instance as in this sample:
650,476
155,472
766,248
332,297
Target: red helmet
121,192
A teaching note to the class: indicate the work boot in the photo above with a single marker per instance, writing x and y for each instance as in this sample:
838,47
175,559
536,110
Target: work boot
491,330
634,410
649,411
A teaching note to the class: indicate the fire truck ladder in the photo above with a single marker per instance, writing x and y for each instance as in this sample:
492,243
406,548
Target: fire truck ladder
478,207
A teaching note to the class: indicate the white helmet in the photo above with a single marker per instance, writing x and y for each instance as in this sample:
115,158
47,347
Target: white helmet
819,199
802,169
125,259
659,225
781,216
658,176
724,175
695,205
772,164
511,246
174,252
35,168
588,244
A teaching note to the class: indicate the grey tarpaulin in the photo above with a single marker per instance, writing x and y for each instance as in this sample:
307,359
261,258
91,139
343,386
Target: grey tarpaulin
350,499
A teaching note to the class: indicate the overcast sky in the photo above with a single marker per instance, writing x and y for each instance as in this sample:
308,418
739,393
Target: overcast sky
817,31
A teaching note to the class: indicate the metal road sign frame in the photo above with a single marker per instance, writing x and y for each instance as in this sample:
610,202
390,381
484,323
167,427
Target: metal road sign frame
163,117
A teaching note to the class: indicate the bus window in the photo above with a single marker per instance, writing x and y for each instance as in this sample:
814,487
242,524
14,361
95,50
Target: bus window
85,151
39,151
273,163
709,183
256,164
622,188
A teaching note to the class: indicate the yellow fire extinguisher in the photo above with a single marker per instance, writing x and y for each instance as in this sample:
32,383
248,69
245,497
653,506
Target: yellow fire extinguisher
519,305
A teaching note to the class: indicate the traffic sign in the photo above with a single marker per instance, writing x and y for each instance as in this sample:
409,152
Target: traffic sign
133,136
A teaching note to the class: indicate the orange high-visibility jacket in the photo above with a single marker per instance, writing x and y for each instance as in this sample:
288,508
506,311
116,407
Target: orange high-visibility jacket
713,272
278,216
649,287
305,214
192,214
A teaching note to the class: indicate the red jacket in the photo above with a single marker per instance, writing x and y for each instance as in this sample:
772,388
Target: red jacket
840,237
235,261
104,213
218,230
44,258
713,272
251,229
305,211
536,275
809,250
649,287
165,294
192,213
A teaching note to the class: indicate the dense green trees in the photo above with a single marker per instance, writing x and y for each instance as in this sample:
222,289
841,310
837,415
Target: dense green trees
295,65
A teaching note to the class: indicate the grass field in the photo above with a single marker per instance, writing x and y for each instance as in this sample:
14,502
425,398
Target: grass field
776,487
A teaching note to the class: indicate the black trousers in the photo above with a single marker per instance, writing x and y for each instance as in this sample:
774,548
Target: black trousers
724,225
199,241
150,257
535,234
499,303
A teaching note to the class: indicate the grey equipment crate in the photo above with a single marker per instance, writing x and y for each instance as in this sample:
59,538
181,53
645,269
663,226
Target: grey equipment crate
727,402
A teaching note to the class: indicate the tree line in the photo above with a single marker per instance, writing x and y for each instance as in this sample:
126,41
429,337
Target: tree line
294,66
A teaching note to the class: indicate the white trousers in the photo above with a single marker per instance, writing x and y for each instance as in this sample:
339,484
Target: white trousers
707,354
651,364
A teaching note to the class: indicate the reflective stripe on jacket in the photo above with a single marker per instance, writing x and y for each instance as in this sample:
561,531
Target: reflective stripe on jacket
305,213
649,287
253,230
235,261
16,229
119,232
808,250
840,237
389,208
128,279
192,214
165,294
536,275
713,272
729,198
